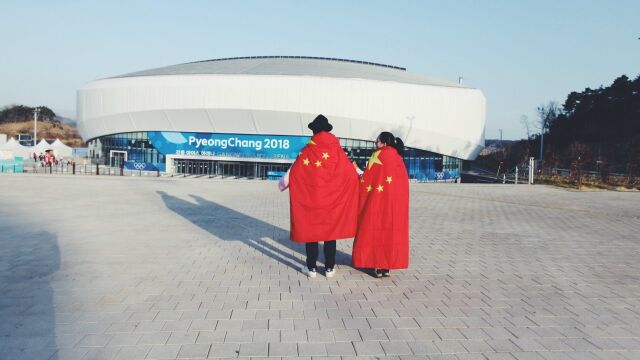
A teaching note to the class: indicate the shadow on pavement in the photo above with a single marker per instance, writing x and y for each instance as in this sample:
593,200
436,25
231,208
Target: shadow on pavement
230,225
28,258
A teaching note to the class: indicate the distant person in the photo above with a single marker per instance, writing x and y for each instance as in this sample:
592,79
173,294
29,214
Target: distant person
323,187
382,239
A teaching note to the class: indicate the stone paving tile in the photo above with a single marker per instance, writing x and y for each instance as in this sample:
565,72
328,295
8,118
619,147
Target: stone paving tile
203,325
124,340
373,335
399,334
527,356
475,346
154,338
311,349
148,326
368,348
396,348
94,340
133,352
470,357
239,336
449,346
346,335
209,337
161,352
321,336
283,349
341,349
224,351
257,349
499,356
182,337
194,351
176,325
98,353
266,335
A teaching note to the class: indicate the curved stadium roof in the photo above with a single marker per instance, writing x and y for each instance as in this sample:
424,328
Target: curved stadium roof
279,95
296,66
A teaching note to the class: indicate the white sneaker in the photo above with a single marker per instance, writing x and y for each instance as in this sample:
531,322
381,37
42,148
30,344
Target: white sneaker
310,273
330,272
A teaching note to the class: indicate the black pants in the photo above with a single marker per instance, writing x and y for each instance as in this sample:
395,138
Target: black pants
329,254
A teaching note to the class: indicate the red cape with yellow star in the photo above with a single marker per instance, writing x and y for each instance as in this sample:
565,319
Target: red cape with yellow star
382,240
323,190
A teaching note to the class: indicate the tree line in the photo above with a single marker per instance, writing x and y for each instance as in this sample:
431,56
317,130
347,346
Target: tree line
20,113
596,129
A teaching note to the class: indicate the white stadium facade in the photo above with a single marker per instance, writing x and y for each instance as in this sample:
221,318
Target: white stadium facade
247,117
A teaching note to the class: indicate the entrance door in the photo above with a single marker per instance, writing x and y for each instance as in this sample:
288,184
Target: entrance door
179,166
117,158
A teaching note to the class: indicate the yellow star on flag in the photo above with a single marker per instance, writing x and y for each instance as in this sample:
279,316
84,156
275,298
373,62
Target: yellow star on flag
380,188
369,188
374,159
318,163
312,142
325,155
389,179
306,161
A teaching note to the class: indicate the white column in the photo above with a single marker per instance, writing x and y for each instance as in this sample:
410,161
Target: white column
532,170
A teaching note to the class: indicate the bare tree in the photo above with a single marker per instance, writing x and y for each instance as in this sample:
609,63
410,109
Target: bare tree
546,115
524,120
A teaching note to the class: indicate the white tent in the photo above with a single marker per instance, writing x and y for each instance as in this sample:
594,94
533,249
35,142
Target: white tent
18,150
42,146
60,149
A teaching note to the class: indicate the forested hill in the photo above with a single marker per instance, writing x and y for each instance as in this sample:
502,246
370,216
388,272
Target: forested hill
18,119
600,127
19,113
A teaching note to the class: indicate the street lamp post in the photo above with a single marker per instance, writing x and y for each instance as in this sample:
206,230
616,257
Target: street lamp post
541,143
35,125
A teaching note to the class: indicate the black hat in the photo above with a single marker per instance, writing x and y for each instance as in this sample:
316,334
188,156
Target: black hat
320,123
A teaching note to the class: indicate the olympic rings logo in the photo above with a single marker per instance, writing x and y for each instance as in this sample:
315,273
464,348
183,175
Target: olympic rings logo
139,166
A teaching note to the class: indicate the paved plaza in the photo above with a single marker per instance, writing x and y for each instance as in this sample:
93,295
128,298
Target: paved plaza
166,268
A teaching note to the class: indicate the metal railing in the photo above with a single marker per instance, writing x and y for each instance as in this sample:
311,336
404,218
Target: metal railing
576,177
87,169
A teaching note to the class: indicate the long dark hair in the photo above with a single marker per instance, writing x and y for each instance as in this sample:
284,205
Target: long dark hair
389,139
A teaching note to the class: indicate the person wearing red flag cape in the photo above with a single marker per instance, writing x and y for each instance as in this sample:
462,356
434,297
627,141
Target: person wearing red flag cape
323,186
382,239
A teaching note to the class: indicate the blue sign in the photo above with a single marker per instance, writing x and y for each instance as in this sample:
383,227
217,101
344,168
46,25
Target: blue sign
275,175
228,145
12,165
142,166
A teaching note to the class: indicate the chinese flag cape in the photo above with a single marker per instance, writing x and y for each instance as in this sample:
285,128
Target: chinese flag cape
382,240
323,190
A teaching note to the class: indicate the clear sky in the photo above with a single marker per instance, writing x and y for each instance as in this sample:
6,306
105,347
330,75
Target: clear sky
521,54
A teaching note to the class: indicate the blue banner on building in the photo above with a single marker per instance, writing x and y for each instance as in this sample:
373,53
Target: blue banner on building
228,145
142,166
